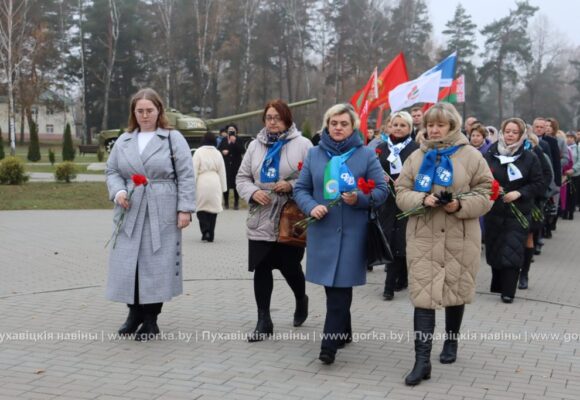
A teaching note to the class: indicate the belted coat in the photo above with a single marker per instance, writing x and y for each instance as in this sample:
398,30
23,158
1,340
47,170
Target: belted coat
149,236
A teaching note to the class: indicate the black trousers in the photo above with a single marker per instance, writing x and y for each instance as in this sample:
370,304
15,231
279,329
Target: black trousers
152,308
227,197
207,222
571,195
396,274
504,281
337,325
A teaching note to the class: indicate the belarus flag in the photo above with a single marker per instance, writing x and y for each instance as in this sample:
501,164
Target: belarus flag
424,89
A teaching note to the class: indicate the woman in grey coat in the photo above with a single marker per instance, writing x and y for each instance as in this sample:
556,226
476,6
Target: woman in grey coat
145,260
336,243
266,180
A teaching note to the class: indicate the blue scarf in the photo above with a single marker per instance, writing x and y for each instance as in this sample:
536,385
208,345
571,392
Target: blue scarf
433,172
338,177
271,164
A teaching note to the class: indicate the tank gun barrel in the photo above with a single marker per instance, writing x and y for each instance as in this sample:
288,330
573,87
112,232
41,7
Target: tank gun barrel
218,121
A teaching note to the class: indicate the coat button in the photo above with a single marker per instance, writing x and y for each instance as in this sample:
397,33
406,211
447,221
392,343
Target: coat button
177,263
177,243
339,230
442,230
177,253
177,274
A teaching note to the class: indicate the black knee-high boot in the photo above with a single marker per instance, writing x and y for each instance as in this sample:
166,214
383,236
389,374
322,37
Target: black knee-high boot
528,255
390,281
424,326
453,318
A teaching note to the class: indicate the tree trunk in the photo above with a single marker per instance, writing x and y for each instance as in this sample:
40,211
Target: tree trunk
86,137
113,38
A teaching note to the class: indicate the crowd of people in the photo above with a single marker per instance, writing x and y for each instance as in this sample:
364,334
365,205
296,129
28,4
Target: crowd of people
442,192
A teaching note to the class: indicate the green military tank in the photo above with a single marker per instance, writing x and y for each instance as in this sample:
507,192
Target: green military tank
193,128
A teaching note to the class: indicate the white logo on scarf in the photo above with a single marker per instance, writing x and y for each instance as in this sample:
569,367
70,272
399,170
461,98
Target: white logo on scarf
444,174
423,180
347,178
271,172
513,172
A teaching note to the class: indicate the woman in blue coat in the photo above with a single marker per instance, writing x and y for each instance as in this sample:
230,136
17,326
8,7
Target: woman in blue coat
336,244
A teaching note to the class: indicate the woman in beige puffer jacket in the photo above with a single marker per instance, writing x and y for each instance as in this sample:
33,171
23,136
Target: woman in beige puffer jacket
444,243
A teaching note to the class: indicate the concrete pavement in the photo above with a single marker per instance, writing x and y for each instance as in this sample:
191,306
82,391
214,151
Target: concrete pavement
57,331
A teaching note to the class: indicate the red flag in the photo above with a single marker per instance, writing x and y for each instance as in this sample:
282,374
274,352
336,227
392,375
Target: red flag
369,90
392,76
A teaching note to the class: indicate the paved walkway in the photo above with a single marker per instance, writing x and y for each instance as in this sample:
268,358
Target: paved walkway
57,330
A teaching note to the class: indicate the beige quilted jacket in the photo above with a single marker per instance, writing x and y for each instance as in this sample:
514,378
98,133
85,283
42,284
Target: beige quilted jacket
444,250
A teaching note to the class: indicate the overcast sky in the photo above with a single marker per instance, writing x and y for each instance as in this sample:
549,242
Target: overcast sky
563,15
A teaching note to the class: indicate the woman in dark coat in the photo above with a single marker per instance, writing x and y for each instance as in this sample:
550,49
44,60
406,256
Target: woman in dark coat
539,203
336,241
232,151
519,173
392,155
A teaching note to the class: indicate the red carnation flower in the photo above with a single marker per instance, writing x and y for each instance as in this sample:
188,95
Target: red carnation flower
300,165
378,152
495,190
139,180
364,186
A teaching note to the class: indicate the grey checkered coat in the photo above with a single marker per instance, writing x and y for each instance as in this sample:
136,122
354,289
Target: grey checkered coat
149,235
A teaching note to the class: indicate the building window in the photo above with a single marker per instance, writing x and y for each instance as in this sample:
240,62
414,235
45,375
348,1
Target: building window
49,111
49,128
34,111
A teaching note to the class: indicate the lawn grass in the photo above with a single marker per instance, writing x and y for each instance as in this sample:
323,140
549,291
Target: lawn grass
55,196
22,152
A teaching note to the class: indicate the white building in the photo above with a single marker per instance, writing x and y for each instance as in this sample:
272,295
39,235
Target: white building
51,114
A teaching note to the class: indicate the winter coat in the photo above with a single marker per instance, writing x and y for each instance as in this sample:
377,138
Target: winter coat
504,236
336,244
262,221
232,159
394,228
149,236
444,250
210,179
554,157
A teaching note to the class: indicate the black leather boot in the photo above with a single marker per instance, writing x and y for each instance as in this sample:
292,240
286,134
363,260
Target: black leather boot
390,281
149,329
264,327
424,326
134,319
453,318
301,311
528,254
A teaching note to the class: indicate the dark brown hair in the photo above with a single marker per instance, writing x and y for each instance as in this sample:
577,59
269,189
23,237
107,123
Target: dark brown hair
282,109
555,125
152,96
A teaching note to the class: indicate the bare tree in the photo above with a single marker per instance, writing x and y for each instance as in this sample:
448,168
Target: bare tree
208,18
250,8
111,45
14,42
166,8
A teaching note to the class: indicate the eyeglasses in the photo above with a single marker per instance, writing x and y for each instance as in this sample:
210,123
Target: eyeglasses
146,112
273,118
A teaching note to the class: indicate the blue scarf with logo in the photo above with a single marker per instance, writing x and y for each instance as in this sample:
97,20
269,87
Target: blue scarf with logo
434,171
271,165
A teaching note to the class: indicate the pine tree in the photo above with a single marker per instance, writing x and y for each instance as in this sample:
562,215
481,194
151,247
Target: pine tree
68,151
2,155
461,38
34,145
507,46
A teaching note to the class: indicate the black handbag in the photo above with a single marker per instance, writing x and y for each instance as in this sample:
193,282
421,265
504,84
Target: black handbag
378,249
